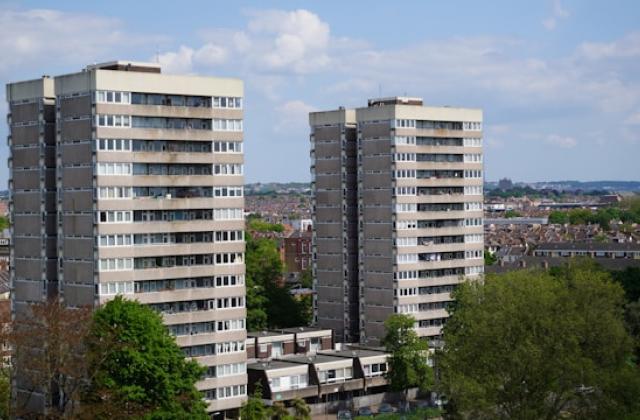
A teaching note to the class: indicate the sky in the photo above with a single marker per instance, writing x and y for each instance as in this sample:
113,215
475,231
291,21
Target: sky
558,80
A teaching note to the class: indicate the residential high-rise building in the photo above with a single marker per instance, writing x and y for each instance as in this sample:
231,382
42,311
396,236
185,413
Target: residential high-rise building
397,206
126,181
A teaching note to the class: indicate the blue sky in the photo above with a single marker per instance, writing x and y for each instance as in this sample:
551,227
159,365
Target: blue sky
559,80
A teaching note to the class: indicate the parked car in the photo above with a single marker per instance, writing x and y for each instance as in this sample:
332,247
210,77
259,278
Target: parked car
386,408
365,412
344,415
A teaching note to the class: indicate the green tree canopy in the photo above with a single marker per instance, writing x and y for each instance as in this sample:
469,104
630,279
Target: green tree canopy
268,304
408,355
139,367
531,345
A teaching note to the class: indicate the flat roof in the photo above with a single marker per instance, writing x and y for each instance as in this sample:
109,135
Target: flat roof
267,333
356,353
272,365
315,359
305,329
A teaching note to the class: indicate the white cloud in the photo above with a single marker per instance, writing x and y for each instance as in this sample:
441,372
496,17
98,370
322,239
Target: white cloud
564,142
43,38
294,115
625,47
633,119
178,62
557,12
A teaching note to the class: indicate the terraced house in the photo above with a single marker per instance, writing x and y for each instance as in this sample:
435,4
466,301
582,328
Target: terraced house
128,181
397,208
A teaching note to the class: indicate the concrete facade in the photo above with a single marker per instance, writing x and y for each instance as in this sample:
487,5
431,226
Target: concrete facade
125,181
415,207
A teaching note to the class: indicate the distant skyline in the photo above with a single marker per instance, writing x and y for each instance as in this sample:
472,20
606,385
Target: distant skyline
559,81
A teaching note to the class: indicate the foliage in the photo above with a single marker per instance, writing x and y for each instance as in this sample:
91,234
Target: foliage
5,392
4,222
254,408
418,414
408,355
628,211
632,319
306,278
256,224
49,356
629,279
143,372
558,217
528,344
269,305
509,214
301,409
490,258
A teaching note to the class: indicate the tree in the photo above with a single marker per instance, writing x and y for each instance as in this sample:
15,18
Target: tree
144,372
48,340
301,409
531,345
408,355
490,258
509,214
558,217
5,393
268,304
254,408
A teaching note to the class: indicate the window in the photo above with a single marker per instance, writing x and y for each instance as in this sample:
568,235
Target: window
404,157
119,121
114,192
227,169
114,240
111,97
229,236
229,347
473,206
407,241
405,124
228,258
472,126
473,142
406,275
406,224
230,302
474,221
375,369
474,270
227,125
228,192
227,146
228,214
229,280
115,216
473,173
473,157
411,191
474,254
113,145
407,258
116,288
114,168
227,102
404,140
406,207
476,238
404,173
115,264
230,325
410,308
473,190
